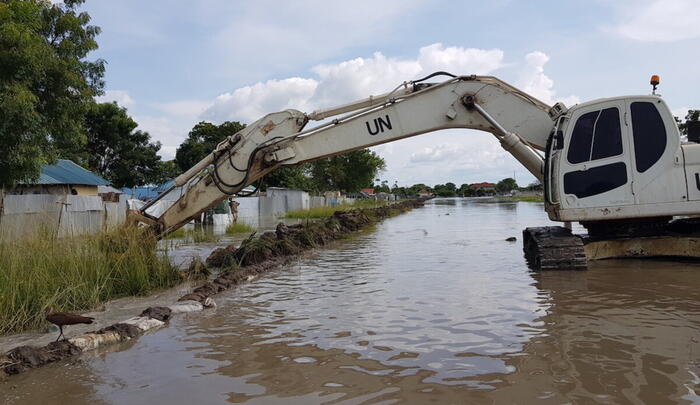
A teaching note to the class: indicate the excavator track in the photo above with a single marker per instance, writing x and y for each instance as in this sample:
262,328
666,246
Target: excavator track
553,248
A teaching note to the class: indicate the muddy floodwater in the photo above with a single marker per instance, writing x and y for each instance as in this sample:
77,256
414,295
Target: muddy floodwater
432,306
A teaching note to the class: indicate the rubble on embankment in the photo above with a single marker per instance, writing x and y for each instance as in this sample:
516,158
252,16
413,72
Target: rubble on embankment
254,256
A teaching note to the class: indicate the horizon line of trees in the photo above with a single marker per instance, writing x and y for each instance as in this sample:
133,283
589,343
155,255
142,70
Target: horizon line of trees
450,189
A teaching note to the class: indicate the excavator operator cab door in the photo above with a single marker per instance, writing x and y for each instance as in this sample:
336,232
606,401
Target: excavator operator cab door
593,165
618,152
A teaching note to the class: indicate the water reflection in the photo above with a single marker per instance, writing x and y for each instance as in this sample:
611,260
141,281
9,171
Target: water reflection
433,305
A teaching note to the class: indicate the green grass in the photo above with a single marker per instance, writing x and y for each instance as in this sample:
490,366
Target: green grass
75,274
530,198
525,198
325,212
238,227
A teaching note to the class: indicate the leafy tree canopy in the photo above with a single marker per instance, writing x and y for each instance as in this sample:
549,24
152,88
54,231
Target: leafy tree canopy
168,170
117,151
445,190
202,140
348,172
46,83
297,177
506,185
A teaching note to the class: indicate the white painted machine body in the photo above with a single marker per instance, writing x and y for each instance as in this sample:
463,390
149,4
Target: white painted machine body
608,159
648,172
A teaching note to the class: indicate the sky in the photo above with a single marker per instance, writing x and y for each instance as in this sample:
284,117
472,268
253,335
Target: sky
174,63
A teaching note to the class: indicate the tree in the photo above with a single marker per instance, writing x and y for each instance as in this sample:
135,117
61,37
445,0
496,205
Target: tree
445,190
202,140
465,190
382,187
506,185
693,115
45,83
349,172
116,150
167,170
414,189
297,177
536,185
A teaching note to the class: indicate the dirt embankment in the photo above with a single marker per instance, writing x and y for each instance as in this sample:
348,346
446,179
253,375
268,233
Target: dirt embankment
254,256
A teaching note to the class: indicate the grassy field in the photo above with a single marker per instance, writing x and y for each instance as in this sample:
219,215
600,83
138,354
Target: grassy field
238,227
325,212
529,198
525,198
74,274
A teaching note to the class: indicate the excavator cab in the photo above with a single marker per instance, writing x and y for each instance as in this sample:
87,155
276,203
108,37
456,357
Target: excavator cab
615,158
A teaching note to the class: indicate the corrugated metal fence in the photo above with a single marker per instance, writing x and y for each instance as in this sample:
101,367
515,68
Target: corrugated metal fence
63,215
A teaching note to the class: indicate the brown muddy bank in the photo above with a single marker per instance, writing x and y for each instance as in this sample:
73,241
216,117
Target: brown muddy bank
254,256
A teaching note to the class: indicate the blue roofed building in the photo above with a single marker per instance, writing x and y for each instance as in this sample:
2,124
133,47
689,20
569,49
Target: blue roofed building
140,193
64,177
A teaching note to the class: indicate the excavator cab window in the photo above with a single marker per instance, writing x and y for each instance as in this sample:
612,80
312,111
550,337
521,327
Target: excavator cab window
596,135
649,133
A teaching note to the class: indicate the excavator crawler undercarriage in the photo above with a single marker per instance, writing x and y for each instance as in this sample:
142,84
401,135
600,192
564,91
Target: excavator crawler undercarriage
557,248
553,248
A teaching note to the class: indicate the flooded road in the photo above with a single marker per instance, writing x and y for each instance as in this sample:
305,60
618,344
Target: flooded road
432,306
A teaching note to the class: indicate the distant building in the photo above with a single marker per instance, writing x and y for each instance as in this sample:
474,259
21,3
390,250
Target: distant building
64,177
368,191
140,193
424,193
484,186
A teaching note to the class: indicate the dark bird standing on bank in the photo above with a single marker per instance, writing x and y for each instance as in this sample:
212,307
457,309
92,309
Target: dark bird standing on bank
62,319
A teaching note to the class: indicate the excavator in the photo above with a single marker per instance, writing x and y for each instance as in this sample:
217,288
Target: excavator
616,165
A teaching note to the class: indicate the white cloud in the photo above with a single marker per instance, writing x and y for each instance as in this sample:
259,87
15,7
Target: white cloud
459,60
460,156
249,103
349,80
462,150
660,20
455,155
120,96
169,128
532,80
438,153
165,130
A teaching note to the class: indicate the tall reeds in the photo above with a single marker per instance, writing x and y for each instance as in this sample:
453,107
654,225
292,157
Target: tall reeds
76,273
